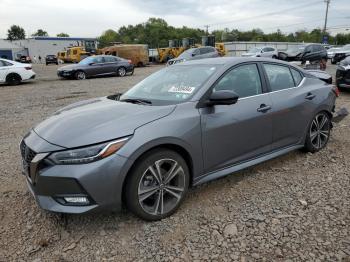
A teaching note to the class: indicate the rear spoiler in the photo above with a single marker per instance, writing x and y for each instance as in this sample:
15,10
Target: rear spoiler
322,75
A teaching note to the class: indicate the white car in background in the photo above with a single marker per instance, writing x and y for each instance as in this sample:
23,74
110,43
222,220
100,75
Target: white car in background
265,51
13,73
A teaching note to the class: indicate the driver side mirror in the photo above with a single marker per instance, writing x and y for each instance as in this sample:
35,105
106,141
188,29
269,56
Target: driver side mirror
92,63
194,54
222,97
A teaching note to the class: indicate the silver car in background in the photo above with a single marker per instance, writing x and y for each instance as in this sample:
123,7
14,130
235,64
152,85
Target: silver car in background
182,126
195,54
266,51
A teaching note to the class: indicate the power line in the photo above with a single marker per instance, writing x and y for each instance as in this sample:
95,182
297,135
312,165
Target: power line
266,14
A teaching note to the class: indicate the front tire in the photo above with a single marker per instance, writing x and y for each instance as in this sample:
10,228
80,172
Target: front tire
80,75
157,185
318,133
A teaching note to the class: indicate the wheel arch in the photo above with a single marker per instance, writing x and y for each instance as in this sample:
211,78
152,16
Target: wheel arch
13,74
181,150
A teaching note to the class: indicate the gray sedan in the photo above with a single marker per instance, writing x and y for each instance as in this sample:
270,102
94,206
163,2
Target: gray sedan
180,127
195,54
99,65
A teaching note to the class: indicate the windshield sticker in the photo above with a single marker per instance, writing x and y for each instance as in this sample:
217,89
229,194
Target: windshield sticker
181,89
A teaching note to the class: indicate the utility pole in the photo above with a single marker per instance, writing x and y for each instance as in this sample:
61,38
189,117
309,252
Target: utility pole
207,28
326,18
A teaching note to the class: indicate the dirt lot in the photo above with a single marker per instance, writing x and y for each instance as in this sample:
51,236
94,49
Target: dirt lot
292,208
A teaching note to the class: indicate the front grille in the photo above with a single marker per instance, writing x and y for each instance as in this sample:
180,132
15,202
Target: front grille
27,153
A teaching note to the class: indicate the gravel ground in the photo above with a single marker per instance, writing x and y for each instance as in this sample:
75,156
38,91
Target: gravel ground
294,208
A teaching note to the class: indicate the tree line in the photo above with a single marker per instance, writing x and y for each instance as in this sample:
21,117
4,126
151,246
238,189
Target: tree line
156,32
15,32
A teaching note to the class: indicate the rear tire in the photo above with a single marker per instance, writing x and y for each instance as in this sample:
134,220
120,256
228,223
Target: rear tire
318,132
121,71
13,79
157,184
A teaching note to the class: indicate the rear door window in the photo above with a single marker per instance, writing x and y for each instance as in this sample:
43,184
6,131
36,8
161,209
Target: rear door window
110,59
279,77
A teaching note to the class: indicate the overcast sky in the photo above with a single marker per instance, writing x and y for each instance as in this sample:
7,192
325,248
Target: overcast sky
89,18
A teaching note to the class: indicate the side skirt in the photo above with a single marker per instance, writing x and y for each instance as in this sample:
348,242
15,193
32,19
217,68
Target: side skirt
232,169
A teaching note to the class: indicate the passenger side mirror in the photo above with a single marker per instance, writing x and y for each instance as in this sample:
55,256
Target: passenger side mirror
193,54
222,97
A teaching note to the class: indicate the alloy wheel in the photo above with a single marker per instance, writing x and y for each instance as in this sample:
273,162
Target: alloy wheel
81,75
161,187
319,131
121,71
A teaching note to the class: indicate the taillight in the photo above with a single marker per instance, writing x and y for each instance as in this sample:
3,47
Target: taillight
28,68
335,89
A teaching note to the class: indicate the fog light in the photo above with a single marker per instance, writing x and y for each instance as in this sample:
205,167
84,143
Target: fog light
77,200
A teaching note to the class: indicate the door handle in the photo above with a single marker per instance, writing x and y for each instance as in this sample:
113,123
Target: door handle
263,108
310,96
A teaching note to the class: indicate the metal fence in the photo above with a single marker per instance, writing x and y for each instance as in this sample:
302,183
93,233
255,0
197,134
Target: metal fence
237,48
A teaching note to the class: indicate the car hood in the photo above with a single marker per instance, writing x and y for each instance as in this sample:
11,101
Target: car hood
97,120
292,53
68,67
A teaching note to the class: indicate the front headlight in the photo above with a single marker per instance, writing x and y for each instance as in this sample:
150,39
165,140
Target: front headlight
87,154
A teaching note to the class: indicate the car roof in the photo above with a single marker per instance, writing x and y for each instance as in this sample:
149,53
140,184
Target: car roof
9,61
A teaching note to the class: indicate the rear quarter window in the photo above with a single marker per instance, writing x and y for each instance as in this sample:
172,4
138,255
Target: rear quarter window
297,76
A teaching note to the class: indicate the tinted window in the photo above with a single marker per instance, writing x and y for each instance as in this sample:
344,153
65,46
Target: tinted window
308,48
1,64
244,80
297,76
279,77
98,59
206,50
110,59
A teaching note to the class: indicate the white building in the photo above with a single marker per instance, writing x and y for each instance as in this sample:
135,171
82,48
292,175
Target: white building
42,46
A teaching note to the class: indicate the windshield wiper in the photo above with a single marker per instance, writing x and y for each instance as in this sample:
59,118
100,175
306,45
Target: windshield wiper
136,101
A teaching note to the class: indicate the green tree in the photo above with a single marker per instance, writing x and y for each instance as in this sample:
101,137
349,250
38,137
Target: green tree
40,32
16,33
107,37
62,35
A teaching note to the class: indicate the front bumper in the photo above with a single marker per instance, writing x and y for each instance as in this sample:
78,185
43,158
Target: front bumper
65,74
100,182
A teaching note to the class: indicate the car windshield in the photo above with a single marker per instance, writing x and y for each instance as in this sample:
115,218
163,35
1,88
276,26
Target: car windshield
171,85
186,54
254,50
86,61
